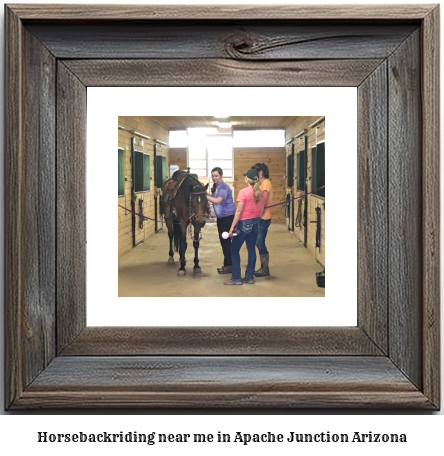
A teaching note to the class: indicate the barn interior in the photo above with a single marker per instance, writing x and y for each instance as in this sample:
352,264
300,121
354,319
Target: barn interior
150,149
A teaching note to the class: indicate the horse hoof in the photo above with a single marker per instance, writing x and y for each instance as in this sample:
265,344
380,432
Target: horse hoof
170,260
181,272
197,271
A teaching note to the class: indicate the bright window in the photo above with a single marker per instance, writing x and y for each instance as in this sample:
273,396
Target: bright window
259,138
204,148
220,154
178,138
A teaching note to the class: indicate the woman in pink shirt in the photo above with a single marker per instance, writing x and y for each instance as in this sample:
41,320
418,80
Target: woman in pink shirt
248,214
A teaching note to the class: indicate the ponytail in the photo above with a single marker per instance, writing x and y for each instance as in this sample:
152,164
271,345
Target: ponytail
257,192
256,189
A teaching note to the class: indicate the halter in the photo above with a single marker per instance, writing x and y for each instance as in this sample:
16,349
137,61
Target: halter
193,216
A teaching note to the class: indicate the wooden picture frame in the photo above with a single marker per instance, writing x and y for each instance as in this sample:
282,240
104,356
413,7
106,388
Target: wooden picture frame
390,360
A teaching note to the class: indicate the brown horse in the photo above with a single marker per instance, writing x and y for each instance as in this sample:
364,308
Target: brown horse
188,205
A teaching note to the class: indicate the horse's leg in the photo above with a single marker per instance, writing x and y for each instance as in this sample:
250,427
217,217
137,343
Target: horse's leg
169,224
196,249
183,248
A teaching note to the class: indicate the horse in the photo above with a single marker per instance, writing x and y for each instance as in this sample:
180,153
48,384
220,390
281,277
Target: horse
184,202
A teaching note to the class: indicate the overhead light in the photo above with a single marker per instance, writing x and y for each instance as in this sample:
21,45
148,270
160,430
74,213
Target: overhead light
224,124
297,136
140,135
221,117
316,122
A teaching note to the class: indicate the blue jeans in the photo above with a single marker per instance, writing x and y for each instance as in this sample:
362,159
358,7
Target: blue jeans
248,234
261,235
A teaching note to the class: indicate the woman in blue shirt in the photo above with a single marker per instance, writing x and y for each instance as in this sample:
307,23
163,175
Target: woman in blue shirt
224,207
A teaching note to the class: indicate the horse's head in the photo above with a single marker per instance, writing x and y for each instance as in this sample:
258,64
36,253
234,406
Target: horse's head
199,202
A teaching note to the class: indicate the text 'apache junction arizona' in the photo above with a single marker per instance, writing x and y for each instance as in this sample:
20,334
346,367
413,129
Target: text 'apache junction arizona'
293,437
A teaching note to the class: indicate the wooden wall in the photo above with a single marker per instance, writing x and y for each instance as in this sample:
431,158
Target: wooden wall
178,156
315,134
274,158
150,128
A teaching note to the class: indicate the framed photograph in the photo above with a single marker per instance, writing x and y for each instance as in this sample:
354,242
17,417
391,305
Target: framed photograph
390,359
142,271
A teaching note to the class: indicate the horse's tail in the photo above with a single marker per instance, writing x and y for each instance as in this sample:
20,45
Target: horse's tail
177,235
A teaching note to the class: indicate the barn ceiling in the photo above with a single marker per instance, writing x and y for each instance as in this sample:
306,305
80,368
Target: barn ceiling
175,123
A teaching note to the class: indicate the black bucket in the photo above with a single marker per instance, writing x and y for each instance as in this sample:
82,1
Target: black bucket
320,279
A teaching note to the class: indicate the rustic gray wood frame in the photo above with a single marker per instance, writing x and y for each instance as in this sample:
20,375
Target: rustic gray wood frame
390,360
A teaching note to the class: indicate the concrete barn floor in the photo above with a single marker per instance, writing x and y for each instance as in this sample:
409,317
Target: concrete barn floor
144,272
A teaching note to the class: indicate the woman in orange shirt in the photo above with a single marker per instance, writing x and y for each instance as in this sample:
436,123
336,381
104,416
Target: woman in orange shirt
265,221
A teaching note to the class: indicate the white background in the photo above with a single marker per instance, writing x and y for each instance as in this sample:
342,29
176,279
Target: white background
337,308
18,433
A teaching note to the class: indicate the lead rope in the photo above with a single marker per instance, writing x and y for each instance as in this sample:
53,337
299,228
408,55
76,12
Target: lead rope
299,214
